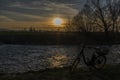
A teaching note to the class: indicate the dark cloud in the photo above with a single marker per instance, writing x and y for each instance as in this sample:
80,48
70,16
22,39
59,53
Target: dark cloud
37,10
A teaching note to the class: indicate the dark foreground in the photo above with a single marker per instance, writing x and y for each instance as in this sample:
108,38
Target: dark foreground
108,73
58,38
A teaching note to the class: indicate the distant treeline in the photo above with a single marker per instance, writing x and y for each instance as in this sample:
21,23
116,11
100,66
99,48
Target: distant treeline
58,38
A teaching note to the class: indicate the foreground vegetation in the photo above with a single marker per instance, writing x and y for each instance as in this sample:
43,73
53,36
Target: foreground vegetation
108,73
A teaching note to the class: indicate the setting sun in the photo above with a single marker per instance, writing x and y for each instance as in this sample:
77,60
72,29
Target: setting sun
58,21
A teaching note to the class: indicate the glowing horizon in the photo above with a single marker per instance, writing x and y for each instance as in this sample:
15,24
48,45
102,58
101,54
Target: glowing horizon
28,13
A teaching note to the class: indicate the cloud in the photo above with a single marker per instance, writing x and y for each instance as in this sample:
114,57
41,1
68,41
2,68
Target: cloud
38,10
38,13
5,19
64,9
21,16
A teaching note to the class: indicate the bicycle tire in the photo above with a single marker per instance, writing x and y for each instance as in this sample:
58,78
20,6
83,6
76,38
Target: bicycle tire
99,62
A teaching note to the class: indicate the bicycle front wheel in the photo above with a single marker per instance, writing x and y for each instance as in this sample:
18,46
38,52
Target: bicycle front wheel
99,62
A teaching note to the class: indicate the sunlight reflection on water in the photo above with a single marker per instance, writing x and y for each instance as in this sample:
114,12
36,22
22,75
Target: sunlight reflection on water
20,58
58,60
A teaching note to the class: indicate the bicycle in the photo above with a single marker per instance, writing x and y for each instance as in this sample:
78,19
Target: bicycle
97,61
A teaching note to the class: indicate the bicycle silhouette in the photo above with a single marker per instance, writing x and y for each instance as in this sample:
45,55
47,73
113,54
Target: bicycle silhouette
97,61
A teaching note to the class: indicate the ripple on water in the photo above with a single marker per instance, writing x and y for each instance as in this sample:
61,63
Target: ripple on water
20,58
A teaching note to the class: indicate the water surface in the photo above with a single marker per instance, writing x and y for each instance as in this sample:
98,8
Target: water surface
21,58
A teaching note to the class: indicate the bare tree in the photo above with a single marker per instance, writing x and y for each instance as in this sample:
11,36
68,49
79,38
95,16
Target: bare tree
107,13
88,19
97,15
69,26
82,22
114,9
101,14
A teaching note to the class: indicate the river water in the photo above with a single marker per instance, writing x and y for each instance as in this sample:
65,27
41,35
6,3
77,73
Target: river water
22,58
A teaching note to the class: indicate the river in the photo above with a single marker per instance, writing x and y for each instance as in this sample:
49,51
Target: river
22,58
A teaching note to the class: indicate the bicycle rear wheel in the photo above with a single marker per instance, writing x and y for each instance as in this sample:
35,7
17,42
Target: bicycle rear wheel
99,62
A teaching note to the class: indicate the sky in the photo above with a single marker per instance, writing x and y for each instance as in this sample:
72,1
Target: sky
19,14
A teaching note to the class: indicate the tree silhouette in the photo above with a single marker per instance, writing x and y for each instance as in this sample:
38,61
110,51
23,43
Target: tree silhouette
97,15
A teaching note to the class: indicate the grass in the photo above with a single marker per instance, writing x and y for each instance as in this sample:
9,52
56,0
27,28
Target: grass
110,72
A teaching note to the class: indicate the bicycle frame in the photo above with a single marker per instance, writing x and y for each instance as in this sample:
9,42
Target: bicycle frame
81,54
77,60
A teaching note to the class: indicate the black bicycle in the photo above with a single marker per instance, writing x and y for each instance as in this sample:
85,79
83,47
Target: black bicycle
97,61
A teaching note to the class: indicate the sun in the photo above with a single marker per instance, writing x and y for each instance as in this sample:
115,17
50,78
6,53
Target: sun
58,21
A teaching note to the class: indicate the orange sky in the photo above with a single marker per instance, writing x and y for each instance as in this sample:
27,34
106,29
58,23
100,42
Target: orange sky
19,14
27,25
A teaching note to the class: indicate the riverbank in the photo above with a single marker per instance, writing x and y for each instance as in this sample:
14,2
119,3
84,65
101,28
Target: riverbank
110,72
57,38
